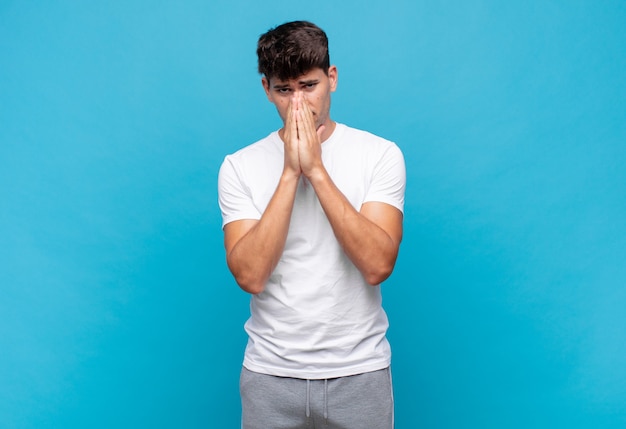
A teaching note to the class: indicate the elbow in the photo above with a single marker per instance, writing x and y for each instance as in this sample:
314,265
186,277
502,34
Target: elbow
247,280
379,274
374,279
253,289
250,285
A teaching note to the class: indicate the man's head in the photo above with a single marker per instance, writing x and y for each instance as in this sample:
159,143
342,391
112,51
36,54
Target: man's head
293,59
291,50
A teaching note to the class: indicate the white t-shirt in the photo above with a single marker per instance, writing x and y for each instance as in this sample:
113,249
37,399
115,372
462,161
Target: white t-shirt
317,317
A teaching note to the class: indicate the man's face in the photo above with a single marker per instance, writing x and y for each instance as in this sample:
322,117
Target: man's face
315,87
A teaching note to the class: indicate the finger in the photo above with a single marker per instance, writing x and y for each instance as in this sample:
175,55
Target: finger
292,160
295,129
309,121
309,112
288,119
295,101
303,119
288,134
320,132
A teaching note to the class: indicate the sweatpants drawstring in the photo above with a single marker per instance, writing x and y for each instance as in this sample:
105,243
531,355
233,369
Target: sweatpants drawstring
326,400
308,399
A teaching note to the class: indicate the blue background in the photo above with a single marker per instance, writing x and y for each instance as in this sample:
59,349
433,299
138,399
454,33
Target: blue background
508,303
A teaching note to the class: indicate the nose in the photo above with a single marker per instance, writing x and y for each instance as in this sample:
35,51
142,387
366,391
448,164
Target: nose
302,94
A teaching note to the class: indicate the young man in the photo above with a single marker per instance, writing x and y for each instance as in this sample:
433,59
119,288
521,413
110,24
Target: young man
312,218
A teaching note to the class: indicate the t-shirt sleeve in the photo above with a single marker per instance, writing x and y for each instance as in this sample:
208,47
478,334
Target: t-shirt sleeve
234,196
389,179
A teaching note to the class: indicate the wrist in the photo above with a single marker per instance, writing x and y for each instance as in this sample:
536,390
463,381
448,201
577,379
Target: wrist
290,175
317,175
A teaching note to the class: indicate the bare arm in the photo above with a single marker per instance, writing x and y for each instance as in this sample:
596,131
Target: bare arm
370,237
254,247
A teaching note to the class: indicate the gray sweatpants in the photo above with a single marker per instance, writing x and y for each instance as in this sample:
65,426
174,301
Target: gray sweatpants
363,401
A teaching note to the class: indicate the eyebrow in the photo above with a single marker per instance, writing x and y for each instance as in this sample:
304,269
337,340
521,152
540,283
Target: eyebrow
301,82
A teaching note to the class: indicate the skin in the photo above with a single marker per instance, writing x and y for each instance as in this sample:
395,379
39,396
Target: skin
370,237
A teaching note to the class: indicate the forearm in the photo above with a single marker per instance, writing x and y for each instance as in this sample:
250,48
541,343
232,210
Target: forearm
370,248
254,255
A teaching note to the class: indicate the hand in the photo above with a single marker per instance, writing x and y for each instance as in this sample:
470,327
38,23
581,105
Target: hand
290,139
309,139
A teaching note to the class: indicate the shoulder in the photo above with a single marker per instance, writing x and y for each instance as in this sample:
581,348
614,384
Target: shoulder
253,166
361,140
256,156
266,145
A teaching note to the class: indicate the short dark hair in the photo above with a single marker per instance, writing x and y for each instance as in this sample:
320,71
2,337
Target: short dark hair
292,49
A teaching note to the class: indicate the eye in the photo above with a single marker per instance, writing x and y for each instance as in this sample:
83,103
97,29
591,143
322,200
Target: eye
283,90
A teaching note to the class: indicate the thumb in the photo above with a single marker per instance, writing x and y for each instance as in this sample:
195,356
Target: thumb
320,131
